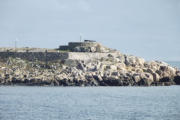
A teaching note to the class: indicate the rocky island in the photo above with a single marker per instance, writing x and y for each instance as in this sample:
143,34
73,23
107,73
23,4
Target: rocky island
85,63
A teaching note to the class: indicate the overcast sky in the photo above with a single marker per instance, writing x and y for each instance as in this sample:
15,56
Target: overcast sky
145,28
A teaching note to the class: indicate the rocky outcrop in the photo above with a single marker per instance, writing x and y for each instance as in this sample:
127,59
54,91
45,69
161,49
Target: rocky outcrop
88,64
110,70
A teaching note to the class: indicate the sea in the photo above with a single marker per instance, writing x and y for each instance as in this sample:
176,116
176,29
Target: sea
90,103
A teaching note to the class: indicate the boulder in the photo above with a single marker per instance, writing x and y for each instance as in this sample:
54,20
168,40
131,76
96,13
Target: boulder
136,78
111,81
155,77
97,77
146,79
177,80
111,67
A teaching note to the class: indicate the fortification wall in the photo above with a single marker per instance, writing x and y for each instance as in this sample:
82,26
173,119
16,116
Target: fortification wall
87,56
32,56
72,45
51,56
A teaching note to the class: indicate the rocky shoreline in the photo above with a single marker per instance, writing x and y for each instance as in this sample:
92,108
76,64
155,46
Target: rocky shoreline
121,70
85,63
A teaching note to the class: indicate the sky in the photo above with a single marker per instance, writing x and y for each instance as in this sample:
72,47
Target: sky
144,28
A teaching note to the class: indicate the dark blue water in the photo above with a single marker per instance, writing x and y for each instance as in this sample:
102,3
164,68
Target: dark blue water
90,103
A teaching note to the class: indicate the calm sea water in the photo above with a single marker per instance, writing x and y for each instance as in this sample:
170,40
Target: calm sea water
174,64
89,103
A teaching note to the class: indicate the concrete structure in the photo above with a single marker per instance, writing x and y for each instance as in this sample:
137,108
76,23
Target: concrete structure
86,50
86,46
73,45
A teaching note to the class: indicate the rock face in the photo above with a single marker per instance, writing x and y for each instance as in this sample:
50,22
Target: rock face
111,70
119,71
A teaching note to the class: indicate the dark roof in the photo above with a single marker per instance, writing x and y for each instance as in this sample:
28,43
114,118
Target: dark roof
89,41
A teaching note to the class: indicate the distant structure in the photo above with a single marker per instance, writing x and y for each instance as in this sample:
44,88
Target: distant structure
89,41
85,46
89,49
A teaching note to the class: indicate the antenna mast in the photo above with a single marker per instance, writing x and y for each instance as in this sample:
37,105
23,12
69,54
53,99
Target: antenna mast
80,37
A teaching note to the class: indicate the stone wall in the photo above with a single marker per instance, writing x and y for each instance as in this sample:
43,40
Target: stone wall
32,56
51,56
87,56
